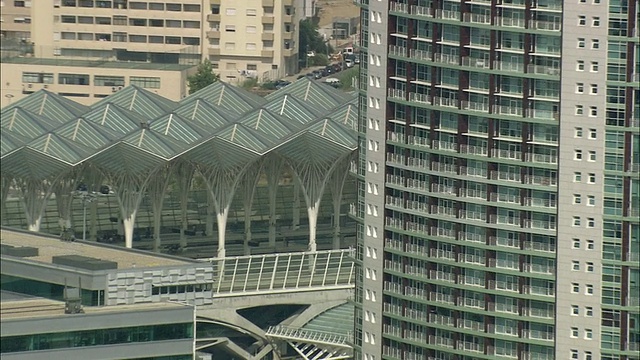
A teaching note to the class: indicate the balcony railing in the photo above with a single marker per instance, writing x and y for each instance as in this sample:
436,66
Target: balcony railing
540,202
447,14
540,180
420,54
539,246
418,184
397,50
473,171
506,154
439,188
441,341
545,25
416,162
507,110
442,210
542,114
473,215
539,290
543,70
510,22
506,198
504,242
444,145
505,176
421,10
397,94
447,102
472,237
540,224
417,97
538,335
540,269
399,7
419,141
472,193
472,259
474,106
504,220
477,18
508,66
437,166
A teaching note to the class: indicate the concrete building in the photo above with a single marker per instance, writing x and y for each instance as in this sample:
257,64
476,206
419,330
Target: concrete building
247,39
136,301
89,81
39,328
499,180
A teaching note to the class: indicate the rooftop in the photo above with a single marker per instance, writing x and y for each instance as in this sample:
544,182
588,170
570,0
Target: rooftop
48,247
96,64
20,307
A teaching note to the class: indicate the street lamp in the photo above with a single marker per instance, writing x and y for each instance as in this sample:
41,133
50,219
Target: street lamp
87,197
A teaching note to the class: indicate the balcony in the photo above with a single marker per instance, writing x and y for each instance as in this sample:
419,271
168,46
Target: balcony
507,154
442,254
540,224
399,7
396,94
472,215
395,180
503,286
447,168
539,313
542,114
394,223
446,58
471,280
287,35
447,14
505,176
508,66
472,259
474,106
473,171
417,184
213,34
540,180
420,98
394,201
421,11
477,18
417,206
442,189
419,141
472,237
266,53
441,320
539,246
213,17
442,232
268,19
397,50
539,290
470,325
473,193
395,158
444,145
287,19
470,346
420,54
545,25
504,242
504,220
268,36
419,163
288,52
538,335
472,303
214,51
539,269
507,110
543,70
510,22
540,202
442,210
441,341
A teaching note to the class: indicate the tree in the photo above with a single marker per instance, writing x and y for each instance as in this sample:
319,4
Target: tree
310,39
203,77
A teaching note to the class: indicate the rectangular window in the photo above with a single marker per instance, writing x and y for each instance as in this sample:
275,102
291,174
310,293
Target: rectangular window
73,79
231,11
37,78
581,43
580,65
251,46
145,82
595,44
101,80
230,28
251,12
582,20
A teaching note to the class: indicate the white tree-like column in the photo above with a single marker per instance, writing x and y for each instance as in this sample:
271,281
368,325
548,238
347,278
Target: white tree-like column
64,199
157,189
222,185
273,165
336,185
35,194
250,182
6,186
183,172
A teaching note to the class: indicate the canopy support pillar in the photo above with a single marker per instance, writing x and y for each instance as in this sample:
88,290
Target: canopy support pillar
6,186
295,224
251,178
35,194
157,189
184,175
338,178
273,169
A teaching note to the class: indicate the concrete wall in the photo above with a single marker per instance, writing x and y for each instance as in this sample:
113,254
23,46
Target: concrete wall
568,233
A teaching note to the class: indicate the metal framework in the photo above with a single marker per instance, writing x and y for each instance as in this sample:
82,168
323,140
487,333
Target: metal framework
282,273
313,345
134,138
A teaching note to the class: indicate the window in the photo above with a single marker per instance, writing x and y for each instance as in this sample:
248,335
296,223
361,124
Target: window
594,89
594,66
231,11
595,44
588,311
577,155
592,156
574,353
576,243
588,334
592,178
574,332
230,46
591,245
252,12
593,111
251,29
73,79
588,290
575,310
582,20
252,67
145,82
581,43
591,223
230,28
593,133
579,110
591,200
590,267
578,132
251,46
579,88
577,199
174,7
575,288
101,80
587,354
577,176
575,265
595,21
580,65
37,78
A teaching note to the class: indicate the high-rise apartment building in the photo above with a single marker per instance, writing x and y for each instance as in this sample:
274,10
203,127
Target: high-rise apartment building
499,191
251,38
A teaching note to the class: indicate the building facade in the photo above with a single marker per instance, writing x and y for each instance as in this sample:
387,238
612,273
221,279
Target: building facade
248,39
498,180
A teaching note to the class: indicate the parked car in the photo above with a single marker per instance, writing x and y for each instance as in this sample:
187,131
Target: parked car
281,83
317,74
349,63
333,82
337,67
328,70
356,59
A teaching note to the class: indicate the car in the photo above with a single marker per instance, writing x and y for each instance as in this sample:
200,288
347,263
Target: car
317,74
337,67
281,83
300,77
328,70
333,82
349,63
356,60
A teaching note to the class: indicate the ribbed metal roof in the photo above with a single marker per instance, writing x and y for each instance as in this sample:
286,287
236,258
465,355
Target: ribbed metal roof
134,131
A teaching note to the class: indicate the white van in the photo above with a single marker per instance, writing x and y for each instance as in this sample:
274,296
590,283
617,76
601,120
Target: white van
347,51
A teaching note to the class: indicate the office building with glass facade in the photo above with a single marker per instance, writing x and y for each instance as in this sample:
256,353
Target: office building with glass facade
498,180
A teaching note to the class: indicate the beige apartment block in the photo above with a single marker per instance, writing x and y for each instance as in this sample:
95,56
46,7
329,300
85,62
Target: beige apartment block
15,20
253,38
88,81
248,38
